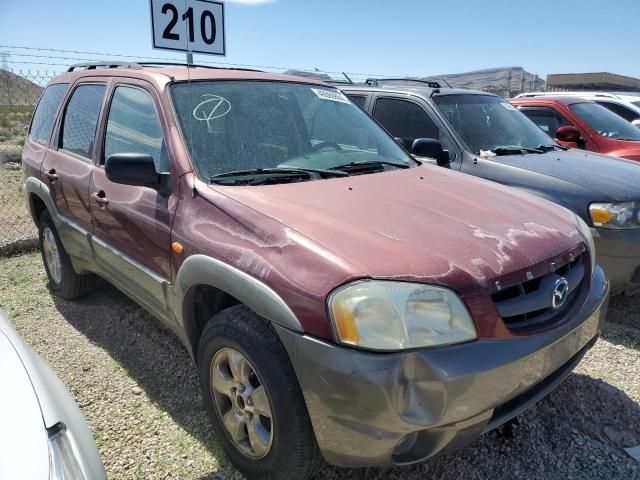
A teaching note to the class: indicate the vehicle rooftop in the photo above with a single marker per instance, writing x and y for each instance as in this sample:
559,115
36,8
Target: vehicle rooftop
396,86
565,100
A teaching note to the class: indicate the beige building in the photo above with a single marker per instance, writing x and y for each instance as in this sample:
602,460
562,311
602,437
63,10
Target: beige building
601,81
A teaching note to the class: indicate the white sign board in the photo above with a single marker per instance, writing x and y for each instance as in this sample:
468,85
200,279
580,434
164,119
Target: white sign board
188,25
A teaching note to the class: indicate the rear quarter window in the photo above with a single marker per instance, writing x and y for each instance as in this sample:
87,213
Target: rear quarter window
45,115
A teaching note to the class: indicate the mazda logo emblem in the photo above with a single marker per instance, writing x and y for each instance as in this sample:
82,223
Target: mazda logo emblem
560,293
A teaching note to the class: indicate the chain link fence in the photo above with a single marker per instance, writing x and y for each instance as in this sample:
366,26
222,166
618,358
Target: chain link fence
19,92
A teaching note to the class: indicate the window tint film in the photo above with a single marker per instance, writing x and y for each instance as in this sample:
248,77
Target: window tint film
81,119
626,113
605,122
546,118
405,120
236,125
133,126
358,100
44,116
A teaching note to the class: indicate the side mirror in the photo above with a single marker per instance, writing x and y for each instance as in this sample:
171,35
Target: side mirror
568,134
136,169
429,147
636,122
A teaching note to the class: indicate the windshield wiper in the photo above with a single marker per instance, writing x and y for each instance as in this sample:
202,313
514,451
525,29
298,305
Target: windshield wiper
284,172
369,163
510,150
548,148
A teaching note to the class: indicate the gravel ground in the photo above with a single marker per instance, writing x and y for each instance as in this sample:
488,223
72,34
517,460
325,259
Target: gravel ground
138,391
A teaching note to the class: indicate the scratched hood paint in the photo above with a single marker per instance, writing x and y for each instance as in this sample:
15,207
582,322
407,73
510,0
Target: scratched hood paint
424,224
611,177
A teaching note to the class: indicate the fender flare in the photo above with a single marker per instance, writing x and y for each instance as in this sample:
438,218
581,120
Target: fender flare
204,270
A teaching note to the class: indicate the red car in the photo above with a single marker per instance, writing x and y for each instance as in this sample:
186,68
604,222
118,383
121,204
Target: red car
575,122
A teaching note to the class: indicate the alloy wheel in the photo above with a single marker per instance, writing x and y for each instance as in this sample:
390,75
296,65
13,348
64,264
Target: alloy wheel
242,402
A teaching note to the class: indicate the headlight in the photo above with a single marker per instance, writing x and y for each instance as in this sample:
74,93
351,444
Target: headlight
586,232
615,215
63,458
387,315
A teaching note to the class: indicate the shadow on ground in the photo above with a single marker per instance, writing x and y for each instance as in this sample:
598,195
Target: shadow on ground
576,432
623,322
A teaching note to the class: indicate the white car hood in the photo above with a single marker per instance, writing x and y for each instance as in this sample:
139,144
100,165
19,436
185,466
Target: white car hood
23,443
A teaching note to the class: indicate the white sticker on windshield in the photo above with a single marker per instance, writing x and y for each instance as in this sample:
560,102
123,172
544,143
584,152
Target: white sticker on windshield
508,106
333,95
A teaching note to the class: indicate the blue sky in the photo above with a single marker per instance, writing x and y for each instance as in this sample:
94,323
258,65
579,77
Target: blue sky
410,37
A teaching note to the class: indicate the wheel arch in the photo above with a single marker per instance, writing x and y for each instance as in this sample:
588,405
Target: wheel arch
205,286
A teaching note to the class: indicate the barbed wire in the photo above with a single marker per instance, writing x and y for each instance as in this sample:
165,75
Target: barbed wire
206,62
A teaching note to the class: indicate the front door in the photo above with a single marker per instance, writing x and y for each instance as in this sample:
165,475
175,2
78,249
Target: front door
131,223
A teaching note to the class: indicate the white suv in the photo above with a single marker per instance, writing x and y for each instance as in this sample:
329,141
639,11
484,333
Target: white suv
625,104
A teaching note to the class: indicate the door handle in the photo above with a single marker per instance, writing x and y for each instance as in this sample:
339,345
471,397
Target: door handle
51,175
100,198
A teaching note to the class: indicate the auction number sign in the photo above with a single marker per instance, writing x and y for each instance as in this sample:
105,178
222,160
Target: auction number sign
188,25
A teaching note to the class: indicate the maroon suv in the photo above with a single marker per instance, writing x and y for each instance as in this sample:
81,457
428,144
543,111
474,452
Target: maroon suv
340,299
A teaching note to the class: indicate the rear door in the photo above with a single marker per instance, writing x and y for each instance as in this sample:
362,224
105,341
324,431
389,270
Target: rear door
41,128
131,223
68,166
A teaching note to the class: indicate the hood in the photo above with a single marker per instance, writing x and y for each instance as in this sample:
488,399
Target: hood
613,178
24,446
423,224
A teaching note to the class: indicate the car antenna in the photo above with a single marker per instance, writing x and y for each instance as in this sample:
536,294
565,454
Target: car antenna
348,79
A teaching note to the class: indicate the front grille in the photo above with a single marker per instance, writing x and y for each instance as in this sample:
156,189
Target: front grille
531,303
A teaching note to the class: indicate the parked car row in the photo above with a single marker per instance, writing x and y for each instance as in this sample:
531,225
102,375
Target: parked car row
341,299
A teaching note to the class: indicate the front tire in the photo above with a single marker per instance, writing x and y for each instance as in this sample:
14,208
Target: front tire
63,280
253,399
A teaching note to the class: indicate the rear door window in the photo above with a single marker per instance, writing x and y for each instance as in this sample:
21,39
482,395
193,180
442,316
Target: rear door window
406,120
45,114
359,100
81,119
133,126
546,118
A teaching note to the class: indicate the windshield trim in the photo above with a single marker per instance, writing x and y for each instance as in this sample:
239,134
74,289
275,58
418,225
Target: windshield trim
412,162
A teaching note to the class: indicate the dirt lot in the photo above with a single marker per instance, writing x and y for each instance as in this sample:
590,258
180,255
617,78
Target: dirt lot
139,393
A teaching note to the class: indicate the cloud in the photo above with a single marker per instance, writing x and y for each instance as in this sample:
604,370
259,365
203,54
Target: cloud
250,2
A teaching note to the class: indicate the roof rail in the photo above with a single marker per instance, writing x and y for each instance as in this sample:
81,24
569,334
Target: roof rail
96,65
194,65
140,65
374,82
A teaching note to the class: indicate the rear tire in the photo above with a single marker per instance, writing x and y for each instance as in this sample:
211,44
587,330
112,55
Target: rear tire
237,341
63,280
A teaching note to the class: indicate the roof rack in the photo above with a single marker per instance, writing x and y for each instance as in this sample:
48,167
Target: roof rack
140,65
374,82
96,65
193,65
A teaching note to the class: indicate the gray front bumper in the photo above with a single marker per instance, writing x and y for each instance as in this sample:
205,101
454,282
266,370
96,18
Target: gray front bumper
618,253
362,404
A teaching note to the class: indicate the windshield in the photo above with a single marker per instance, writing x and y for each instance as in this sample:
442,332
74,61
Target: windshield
486,122
242,126
605,122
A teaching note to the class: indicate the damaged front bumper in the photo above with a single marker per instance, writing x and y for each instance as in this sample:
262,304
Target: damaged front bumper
372,409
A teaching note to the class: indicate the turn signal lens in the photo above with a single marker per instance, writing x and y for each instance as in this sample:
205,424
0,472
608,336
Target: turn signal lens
177,247
614,215
346,325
